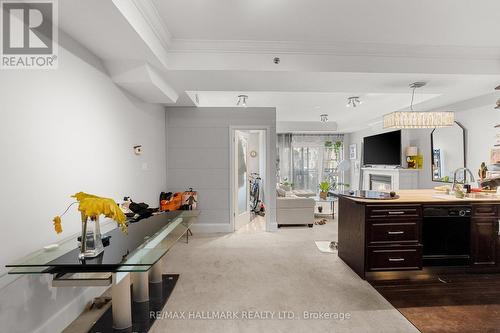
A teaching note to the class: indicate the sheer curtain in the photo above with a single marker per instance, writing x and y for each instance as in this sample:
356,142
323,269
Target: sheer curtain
308,159
284,161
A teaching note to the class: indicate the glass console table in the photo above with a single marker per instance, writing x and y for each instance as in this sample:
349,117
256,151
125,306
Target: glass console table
139,252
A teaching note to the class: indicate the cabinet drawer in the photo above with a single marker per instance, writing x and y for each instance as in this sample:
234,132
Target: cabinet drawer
393,211
484,210
393,232
389,259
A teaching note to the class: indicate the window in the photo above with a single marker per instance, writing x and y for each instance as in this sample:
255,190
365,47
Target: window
307,160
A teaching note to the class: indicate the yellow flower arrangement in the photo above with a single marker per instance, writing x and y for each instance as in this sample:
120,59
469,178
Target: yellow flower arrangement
92,206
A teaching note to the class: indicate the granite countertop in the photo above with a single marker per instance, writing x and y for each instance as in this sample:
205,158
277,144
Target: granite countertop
428,196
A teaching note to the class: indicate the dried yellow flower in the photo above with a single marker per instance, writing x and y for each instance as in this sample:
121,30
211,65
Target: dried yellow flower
93,206
57,224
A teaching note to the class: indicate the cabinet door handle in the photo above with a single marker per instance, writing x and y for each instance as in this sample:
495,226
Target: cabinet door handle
395,232
396,213
396,259
498,227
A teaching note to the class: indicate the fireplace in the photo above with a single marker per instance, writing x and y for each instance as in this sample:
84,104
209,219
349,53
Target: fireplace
389,179
380,183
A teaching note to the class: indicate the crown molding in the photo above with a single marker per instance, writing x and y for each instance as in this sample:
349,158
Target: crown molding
333,48
150,14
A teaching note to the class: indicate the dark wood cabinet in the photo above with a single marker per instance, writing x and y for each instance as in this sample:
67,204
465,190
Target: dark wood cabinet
484,234
377,238
393,237
394,258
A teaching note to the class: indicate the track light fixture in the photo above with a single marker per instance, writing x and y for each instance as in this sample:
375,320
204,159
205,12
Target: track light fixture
353,101
242,101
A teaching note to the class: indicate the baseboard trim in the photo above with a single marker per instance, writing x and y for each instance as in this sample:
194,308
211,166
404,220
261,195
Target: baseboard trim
211,228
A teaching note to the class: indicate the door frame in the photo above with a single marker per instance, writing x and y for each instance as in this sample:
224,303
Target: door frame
267,177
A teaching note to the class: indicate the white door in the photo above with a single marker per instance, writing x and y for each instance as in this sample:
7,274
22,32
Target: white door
241,185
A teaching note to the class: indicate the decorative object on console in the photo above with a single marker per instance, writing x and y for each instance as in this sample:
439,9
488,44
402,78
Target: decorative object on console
483,169
411,157
91,207
413,119
189,199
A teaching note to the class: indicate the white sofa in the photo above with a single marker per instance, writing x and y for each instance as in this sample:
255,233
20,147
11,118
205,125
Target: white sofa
295,210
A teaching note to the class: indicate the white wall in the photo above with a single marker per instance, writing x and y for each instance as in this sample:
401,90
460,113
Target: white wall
63,131
198,157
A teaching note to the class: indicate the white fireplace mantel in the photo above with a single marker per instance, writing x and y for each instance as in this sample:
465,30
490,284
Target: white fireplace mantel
401,179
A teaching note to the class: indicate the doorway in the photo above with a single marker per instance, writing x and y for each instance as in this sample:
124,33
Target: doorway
248,166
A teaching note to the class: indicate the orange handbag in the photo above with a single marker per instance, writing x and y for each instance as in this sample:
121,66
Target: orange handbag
173,204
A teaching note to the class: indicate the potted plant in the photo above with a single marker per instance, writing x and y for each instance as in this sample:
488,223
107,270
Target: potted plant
336,148
324,187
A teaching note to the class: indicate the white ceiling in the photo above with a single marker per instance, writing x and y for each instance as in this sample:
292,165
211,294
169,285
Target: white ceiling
422,22
329,50
308,106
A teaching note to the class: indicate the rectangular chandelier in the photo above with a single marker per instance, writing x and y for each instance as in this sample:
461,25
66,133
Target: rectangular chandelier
415,119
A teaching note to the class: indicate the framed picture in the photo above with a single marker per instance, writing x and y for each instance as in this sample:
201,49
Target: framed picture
495,156
352,152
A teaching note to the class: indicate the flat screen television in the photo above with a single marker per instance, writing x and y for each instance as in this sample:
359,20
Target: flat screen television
382,149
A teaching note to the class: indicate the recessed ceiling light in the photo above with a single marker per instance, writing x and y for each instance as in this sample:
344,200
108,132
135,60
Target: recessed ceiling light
353,101
242,100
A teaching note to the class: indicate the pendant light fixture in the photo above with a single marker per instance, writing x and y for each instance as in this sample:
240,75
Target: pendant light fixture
417,119
323,118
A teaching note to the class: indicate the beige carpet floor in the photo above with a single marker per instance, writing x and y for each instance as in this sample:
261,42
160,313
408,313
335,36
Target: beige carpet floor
280,272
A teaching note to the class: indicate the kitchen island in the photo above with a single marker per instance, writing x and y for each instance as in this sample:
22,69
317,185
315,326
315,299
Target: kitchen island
417,230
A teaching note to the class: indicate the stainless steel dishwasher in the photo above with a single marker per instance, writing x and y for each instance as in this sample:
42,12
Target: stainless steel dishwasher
446,235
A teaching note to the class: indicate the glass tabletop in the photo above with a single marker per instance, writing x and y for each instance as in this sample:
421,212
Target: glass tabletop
146,242
327,199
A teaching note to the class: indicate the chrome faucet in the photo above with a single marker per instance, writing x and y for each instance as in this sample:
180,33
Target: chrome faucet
465,170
